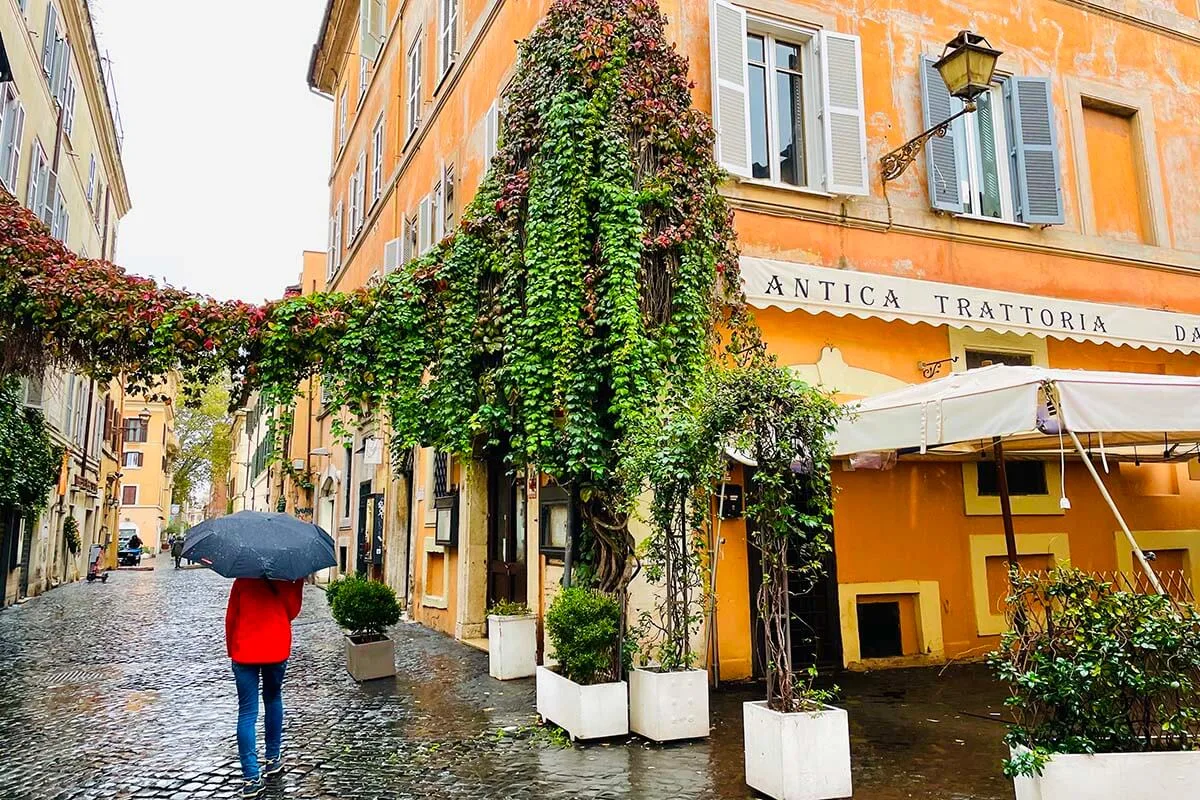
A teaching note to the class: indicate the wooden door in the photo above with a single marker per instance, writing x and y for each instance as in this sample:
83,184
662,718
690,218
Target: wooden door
506,535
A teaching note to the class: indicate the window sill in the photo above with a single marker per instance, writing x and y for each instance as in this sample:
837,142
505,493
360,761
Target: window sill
445,75
784,186
991,220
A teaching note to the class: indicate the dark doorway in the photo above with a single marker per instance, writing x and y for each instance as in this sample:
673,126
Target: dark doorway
362,561
506,535
10,532
879,630
816,629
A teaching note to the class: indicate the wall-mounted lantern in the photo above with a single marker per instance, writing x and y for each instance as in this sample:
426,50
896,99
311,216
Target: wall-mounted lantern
966,67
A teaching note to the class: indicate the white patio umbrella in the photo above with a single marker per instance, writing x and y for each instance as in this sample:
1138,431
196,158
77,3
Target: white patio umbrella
1032,410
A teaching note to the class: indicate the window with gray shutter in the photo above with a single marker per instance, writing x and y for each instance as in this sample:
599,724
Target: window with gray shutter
941,153
844,114
1035,151
50,39
731,110
392,255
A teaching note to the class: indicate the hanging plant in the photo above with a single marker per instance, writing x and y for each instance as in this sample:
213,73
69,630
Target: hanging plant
786,427
70,529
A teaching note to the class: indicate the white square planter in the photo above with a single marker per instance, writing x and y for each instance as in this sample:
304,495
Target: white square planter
512,646
370,660
665,706
1115,776
585,712
801,756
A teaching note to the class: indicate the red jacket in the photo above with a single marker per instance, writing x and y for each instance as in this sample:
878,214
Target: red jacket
258,621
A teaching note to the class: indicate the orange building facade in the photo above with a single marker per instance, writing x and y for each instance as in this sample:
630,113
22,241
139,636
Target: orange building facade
1059,224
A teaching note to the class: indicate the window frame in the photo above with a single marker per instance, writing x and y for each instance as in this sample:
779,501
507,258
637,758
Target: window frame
125,487
450,224
970,158
12,114
812,86
130,424
412,87
364,77
377,145
141,460
343,114
447,35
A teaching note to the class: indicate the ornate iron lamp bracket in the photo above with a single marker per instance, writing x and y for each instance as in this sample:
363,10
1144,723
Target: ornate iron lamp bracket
894,163
931,368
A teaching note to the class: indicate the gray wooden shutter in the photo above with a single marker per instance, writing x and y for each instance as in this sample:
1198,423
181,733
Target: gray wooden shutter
844,114
392,255
730,100
941,153
49,39
1035,151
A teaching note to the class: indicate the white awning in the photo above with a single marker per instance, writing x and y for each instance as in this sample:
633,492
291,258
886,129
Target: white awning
1027,406
790,285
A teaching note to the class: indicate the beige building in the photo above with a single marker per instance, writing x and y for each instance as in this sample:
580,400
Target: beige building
60,155
148,433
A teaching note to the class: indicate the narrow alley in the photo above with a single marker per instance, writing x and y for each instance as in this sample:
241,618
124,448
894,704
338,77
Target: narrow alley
123,690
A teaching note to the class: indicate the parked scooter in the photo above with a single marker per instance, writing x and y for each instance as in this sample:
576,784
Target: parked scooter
94,571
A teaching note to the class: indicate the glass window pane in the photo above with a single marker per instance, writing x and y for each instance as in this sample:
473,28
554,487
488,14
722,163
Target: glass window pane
787,56
760,160
556,525
989,191
790,131
755,50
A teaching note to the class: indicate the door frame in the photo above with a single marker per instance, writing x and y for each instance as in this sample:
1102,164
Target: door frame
503,508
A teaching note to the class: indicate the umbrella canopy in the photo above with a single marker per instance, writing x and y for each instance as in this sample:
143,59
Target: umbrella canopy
1027,406
255,544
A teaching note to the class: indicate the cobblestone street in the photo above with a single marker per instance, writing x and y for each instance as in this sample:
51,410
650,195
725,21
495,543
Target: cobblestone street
123,690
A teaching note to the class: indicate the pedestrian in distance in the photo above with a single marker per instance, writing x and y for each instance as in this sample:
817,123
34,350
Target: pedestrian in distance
258,636
177,549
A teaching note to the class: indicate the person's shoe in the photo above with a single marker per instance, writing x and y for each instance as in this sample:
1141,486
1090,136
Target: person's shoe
273,767
253,788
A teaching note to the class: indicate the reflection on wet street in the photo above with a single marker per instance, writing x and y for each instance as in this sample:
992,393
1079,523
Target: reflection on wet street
123,690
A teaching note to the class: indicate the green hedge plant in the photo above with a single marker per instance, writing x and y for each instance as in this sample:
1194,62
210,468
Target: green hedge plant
582,625
364,608
1093,669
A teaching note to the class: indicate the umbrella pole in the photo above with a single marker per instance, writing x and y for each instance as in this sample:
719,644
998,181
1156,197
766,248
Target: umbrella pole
1137,551
1010,537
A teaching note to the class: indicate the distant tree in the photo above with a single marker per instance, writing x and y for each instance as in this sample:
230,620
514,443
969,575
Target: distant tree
205,445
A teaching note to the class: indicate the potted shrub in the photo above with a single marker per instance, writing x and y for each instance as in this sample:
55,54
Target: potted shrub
580,695
797,747
512,641
365,609
1105,690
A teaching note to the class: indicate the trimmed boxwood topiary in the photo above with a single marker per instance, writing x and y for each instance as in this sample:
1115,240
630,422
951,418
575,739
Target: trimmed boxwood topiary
364,608
582,625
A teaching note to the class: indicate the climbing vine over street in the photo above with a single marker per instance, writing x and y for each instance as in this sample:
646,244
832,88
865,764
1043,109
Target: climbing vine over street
592,280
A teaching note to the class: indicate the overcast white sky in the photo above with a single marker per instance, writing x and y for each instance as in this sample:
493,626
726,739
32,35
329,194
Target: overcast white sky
226,149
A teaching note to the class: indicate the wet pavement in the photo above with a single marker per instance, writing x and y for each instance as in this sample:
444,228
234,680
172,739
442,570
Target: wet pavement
122,690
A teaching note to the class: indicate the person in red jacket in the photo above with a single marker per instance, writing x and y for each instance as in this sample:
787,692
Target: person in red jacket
258,636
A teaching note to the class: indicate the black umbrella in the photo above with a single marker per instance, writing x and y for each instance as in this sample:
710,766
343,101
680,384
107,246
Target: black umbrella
254,544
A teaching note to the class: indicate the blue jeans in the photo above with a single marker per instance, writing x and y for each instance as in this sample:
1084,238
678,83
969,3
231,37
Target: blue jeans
247,676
